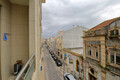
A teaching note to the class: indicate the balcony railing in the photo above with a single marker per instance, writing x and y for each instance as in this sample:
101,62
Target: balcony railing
28,69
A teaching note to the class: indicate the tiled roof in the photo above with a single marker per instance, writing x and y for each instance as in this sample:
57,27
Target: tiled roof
104,24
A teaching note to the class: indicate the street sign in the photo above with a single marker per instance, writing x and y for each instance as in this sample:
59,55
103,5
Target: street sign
5,37
41,68
65,56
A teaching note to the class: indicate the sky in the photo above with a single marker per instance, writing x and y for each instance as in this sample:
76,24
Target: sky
61,15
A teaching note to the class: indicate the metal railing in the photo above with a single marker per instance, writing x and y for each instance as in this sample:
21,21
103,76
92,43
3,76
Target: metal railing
24,69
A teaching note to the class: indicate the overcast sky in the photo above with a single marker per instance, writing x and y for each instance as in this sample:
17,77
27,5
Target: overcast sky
63,14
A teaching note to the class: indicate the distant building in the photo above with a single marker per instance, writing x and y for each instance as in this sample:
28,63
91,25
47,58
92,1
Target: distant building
52,44
72,45
101,47
59,39
72,39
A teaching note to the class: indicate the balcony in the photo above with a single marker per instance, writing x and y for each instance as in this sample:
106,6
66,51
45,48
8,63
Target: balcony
27,71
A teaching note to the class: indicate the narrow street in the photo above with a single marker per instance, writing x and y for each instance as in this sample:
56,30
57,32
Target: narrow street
52,72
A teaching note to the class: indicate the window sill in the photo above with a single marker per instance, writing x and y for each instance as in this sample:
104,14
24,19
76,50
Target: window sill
93,58
114,65
115,73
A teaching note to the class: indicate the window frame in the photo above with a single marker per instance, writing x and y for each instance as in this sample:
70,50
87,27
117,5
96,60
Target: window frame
93,48
116,58
115,29
109,58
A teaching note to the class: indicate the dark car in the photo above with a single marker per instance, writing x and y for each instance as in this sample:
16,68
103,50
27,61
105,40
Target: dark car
58,63
55,58
49,50
51,53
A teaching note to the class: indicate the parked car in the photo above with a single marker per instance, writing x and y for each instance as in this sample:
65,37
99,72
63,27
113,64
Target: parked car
58,63
55,58
47,47
68,76
53,55
49,50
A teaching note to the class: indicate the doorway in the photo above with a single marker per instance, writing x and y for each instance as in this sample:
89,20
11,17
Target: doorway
77,65
91,77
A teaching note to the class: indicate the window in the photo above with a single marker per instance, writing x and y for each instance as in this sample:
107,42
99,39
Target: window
70,61
112,58
96,53
115,56
77,65
118,58
117,32
112,32
93,51
58,53
89,52
61,56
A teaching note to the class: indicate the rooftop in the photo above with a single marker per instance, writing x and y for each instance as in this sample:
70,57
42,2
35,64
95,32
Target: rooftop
104,24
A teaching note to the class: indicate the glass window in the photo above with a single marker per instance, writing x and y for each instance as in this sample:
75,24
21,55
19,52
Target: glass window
112,32
77,65
112,57
117,32
96,54
61,56
90,52
70,61
118,58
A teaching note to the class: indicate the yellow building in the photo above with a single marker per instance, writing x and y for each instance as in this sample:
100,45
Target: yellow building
20,32
59,38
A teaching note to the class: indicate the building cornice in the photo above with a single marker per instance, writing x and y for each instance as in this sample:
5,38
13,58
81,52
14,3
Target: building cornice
76,54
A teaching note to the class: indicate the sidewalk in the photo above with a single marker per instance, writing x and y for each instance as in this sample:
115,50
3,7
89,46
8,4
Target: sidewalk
43,72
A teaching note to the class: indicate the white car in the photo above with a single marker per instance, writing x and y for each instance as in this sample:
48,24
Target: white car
68,76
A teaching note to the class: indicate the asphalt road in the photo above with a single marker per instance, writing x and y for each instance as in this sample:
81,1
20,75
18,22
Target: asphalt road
51,67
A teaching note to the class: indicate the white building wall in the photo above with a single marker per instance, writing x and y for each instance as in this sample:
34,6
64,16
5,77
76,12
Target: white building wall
79,50
73,39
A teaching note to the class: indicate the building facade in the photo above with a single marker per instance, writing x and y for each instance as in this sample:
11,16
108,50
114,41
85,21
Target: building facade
20,35
73,63
72,39
101,48
58,42
51,44
72,45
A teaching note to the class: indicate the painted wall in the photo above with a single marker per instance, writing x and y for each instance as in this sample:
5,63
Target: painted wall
78,50
73,38
5,45
19,33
